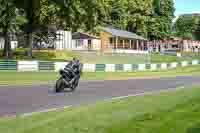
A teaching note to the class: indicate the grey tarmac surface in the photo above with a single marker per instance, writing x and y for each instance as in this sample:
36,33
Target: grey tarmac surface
30,98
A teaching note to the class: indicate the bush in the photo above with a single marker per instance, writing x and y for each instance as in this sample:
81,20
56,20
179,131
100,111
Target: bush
66,55
44,55
21,54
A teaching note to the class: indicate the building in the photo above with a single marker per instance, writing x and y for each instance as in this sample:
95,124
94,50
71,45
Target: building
13,42
111,40
119,41
177,45
63,41
191,46
84,41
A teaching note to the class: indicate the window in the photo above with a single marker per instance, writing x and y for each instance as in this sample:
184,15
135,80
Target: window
79,43
111,40
89,41
89,44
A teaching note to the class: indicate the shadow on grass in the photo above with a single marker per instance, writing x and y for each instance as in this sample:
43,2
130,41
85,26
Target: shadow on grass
195,129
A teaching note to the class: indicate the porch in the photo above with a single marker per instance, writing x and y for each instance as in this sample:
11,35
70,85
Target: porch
116,40
127,44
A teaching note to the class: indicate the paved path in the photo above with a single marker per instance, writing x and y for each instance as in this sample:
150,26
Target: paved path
24,99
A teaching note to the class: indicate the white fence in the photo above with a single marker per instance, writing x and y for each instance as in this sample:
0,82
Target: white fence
121,51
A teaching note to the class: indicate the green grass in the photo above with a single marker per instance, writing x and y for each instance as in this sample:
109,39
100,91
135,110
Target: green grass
133,58
44,55
180,113
97,58
157,58
34,77
114,58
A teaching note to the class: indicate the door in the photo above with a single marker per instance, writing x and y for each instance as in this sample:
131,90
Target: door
89,44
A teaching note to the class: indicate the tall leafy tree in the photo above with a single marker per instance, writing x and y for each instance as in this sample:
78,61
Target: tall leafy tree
11,19
139,13
150,18
38,14
187,26
118,14
32,10
160,23
82,15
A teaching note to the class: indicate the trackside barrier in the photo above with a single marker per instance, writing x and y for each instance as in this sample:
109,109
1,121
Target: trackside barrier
158,66
89,67
36,66
128,67
153,66
142,67
59,65
119,67
46,66
27,66
110,68
174,65
100,67
8,65
164,66
184,63
195,62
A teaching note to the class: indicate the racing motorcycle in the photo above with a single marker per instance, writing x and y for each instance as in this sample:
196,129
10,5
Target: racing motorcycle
68,79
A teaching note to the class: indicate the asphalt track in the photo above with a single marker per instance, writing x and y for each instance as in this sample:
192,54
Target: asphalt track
30,98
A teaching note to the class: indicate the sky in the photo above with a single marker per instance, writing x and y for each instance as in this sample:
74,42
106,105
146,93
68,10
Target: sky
187,6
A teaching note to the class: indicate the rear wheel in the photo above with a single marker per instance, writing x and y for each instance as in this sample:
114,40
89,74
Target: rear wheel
60,85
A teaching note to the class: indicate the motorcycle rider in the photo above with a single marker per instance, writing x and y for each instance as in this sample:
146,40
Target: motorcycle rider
70,64
76,67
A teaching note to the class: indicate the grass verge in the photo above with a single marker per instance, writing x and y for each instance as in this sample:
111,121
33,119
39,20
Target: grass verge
158,58
145,114
33,77
97,58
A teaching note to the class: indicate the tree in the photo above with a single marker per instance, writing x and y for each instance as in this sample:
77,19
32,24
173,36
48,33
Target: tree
82,15
149,18
187,26
139,13
118,14
11,19
160,23
38,14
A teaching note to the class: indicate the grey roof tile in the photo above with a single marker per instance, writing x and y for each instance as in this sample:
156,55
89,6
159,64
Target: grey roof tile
122,33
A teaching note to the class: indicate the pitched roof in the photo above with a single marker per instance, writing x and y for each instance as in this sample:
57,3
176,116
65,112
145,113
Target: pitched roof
122,33
80,35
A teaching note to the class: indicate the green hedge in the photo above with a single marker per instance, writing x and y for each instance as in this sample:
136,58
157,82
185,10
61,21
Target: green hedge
44,55
21,54
47,55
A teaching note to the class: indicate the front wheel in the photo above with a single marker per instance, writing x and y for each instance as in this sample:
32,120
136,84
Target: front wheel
60,85
75,85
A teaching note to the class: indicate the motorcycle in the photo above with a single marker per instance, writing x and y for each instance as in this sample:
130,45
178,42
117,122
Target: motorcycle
67,80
